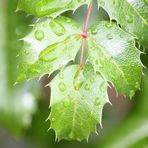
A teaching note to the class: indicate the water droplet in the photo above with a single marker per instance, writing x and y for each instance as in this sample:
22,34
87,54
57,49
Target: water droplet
129,19
92,80
137,85
87,87
61,75
113,77
97,101
57,28
132,93
75,26
52,119
77,86
39,35
68,20
83,97
94,30
121,35
109,25
93,48
109,36
102,86
62,86
102,3
66,102
99,63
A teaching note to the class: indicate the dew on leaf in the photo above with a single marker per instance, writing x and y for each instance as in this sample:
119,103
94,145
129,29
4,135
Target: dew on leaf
61,75
92,80
62,86
66,102
109,25
129,19
99,63
94,30
77,86
52,119
68,20
57,28
87,87
97,101
39,35
137,85
109,36
102,86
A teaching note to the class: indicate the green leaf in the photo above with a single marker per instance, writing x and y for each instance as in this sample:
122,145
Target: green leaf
49,47
52,8
112,53
77,101
132,15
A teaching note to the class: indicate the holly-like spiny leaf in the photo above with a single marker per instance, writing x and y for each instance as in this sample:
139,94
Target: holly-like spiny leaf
52,8
109,59
132,15
50,46
113,53
77,101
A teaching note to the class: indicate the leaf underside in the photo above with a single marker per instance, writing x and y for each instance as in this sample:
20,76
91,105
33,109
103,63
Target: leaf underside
78,96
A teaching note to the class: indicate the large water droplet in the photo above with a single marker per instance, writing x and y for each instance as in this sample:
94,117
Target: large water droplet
94,30
39,35
87,87
68,20
99,63
129,18
109,36
137,85
57,28
97,101
132,93
109,25
102,2
92,80
62,86
77,86
61,75
66,102
102,86
52,119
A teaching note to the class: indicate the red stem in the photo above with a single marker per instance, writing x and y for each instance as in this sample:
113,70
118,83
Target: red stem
84,34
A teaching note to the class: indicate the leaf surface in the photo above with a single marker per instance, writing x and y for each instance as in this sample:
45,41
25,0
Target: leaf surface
113,53
77,102
49,47
132,15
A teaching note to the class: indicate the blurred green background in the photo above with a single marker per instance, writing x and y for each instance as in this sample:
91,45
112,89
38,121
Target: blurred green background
24,108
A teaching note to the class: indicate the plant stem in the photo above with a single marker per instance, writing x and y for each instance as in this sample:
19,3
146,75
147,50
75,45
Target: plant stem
84,34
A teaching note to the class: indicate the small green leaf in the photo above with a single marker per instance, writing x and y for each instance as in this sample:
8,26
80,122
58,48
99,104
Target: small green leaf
49,47
112,53
132,15
52,8
75,111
